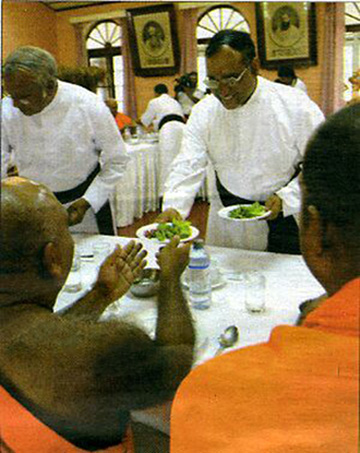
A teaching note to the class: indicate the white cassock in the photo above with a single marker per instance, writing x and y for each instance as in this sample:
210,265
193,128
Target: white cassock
63,144
170,137
160,107
255,150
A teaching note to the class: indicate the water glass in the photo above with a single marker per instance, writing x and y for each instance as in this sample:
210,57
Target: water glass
101,250
73,283
255,286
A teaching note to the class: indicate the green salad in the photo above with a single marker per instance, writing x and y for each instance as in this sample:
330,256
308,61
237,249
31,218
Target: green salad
165,231
248,212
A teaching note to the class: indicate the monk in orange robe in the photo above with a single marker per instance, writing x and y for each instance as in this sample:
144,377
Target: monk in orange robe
299,392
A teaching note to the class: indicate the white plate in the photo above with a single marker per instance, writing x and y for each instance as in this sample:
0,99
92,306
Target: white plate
224,214
140,233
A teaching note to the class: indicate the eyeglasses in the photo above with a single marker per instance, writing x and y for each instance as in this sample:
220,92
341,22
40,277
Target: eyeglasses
228,81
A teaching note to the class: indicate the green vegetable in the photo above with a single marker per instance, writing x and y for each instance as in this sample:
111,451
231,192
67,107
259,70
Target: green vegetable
165,231
248,212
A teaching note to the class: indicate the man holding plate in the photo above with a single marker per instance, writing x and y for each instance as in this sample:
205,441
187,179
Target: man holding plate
254,132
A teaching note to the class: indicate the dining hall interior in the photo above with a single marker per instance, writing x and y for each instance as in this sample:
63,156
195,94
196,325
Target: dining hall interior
197,167
83,34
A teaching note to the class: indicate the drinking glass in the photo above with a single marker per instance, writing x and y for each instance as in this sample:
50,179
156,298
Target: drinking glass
255,286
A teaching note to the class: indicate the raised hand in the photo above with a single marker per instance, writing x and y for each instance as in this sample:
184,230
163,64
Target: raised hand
120,269
168,216
173,258
77,210
274,204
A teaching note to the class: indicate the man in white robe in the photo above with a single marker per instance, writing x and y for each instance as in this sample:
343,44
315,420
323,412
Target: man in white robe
163,108
254,132
61,135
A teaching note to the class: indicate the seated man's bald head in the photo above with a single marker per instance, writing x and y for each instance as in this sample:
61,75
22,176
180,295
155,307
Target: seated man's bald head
31,217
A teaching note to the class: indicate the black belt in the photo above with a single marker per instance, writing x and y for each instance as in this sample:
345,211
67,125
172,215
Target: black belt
103,216
168,118
283,231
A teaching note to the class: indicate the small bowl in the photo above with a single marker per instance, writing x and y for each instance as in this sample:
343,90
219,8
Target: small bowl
147,284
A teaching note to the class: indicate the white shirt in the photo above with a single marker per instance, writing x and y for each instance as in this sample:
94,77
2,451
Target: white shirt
254,149
186,103
158,108
300,85
61,145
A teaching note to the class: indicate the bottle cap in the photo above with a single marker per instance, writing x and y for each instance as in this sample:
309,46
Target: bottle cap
198,244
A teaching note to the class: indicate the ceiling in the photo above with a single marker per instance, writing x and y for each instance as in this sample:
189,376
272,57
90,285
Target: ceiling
352,9
65,5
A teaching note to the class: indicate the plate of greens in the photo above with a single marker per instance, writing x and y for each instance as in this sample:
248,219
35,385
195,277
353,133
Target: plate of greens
163,232
244,212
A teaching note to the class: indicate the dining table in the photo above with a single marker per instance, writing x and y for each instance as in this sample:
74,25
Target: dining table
288,283
137,192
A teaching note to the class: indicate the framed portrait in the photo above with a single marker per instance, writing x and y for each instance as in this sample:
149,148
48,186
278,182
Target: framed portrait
286,34
153,40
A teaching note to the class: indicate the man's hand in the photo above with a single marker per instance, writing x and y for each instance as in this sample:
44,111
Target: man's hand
168,216
119,270
77,211
274,203
173,258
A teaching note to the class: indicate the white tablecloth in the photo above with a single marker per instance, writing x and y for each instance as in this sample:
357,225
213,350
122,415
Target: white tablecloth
137,192
288,283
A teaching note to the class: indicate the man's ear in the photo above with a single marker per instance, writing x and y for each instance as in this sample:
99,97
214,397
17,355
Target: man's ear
316,230
52,261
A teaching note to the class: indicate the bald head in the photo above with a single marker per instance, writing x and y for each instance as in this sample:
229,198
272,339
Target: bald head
113,106
31,217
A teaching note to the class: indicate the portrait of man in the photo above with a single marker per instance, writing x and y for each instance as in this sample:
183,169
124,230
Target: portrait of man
285,26
153,38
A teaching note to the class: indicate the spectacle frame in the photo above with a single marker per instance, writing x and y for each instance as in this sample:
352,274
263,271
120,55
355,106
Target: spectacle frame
228,81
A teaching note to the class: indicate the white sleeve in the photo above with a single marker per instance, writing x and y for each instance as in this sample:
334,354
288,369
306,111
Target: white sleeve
188,169
307,120
149,115
113,156
5,152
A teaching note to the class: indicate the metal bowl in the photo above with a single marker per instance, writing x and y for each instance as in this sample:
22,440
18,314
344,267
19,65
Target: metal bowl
147,284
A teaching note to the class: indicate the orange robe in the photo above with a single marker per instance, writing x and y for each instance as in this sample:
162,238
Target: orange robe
123,120
297,393
21,432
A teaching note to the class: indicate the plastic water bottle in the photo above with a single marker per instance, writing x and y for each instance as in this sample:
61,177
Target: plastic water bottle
199,279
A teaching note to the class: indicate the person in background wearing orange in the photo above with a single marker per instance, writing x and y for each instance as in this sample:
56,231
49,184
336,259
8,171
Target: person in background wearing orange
299,392
121,119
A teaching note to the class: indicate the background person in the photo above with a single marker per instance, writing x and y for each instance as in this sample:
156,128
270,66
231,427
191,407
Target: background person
165,114
299,391
67,381
162,109
187,93
254,132
287,76
39,120
123,121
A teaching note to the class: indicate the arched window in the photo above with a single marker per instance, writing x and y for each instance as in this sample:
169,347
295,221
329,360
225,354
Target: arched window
210,22
103,46
352,43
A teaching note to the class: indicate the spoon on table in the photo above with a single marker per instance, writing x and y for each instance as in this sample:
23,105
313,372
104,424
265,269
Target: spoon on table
227,339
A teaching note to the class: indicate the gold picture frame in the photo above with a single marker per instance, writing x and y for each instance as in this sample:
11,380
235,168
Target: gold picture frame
153,40
286,33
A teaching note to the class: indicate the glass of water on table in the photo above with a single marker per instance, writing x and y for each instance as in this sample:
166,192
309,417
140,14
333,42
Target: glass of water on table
255,288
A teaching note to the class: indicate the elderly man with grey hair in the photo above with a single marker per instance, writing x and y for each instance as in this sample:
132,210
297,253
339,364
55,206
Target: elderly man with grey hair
61,135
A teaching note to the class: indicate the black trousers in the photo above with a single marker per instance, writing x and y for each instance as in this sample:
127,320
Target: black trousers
283,231
103,216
